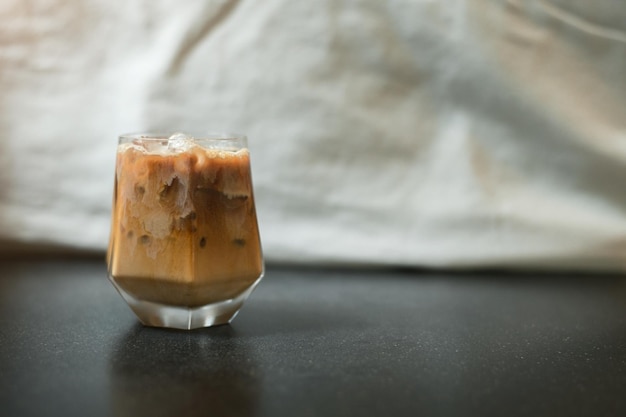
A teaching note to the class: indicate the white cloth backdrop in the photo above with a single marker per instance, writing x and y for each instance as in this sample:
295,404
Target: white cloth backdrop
457,133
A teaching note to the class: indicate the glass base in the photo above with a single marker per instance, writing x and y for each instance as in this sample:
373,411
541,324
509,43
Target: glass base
185,318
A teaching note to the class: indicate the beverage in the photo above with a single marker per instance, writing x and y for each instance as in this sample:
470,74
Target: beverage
184,235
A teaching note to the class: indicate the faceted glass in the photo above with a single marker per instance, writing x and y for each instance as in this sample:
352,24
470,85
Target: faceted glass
184,250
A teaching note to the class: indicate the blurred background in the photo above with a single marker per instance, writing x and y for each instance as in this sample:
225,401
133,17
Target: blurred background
421,133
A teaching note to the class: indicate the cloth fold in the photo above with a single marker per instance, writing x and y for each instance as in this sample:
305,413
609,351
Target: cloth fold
455,134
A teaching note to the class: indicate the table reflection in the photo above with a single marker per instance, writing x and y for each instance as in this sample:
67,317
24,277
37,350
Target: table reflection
164,372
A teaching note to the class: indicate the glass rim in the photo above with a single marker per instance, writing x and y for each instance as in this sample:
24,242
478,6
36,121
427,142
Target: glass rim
161,136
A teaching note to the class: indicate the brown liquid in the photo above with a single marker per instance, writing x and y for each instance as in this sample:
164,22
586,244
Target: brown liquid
184,229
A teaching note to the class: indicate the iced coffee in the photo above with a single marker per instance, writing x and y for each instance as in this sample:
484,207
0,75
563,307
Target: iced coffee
184,236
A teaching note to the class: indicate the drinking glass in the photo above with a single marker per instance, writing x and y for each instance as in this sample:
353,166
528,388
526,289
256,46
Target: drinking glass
184,249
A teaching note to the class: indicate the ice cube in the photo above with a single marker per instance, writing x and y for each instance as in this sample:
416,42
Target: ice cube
179,142
152,145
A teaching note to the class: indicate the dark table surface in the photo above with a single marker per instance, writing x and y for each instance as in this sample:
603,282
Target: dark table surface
318,342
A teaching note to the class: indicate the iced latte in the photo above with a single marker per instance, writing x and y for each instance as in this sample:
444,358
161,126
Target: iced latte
184,249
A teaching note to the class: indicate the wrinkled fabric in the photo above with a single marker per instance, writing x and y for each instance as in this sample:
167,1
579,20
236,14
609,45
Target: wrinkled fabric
456,134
